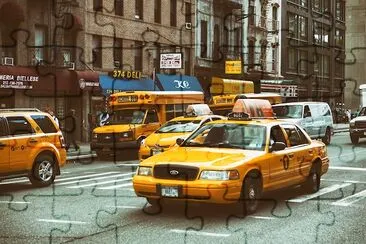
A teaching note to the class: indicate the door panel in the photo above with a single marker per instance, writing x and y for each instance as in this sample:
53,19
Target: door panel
4,155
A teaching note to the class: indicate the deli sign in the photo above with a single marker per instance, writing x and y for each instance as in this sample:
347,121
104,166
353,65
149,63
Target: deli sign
17,81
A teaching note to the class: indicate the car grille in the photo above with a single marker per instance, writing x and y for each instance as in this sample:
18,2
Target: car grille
106,137
184,172
360,124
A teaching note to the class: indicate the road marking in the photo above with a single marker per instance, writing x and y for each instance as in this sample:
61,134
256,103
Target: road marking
100,183
346,181
86,176
319,193
347,154
16,202
351,199
115,186
14,181
62,221
201,233
261,217
97,178
348,168
126,207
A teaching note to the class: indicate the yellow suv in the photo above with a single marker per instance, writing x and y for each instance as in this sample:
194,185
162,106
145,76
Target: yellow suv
31,144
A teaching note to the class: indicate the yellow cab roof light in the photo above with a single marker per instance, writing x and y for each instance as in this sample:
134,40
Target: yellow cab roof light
252,108
197,110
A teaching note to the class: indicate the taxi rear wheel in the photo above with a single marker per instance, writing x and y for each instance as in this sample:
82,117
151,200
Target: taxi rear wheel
251,193
153,202
354,139
43,172
312,183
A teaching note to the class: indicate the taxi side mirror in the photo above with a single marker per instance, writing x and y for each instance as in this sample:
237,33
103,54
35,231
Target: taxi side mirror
277,146
179,141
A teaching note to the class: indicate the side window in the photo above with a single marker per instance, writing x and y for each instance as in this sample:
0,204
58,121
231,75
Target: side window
44,123
277,135
19,126
3,127
307,112
294,136
214,119
151,117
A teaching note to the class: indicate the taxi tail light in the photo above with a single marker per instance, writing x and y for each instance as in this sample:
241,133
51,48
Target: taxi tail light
62,141
234,175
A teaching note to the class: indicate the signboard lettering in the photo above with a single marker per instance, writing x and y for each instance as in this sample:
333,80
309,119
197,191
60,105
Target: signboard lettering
182,84
233,67
126,74
171,61
17,81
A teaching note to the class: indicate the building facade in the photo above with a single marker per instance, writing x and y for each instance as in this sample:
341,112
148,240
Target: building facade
313,47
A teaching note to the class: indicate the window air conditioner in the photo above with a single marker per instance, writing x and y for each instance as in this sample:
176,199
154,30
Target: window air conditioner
8,61
71,65
188,26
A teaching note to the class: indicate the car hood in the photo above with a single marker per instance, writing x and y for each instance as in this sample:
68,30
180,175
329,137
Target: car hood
116,128
203,157
359,118
164,139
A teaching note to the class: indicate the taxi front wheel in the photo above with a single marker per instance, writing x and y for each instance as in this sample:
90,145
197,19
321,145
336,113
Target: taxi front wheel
43,172
251,193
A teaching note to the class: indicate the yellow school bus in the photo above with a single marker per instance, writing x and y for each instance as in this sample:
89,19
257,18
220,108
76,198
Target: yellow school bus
133,115
223,104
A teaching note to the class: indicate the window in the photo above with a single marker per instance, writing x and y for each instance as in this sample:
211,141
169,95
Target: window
118,7
298,26
303,61
339,38
216,44
138,55
317,5
151,117
98,5
203,39
321,33
139,9
292,61
3,127
274,19
19,126
157,11
277,135
340,6
237,47
40,42
188,12
251,47
295,135
97,51
44,123
117,51
173,12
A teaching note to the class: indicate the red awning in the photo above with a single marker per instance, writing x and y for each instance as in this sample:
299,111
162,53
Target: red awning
72,23
88,80
11,13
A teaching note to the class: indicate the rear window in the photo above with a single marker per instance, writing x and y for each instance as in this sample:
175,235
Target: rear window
44,123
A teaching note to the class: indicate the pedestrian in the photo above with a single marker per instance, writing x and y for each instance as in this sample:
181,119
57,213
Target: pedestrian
348,112
103,117
70,129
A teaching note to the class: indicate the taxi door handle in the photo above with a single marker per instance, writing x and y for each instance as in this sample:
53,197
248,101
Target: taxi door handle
291,155
32,140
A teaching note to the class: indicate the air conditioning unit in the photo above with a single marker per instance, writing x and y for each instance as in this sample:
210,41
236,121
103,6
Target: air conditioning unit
117,64
7,61
188,26
71,65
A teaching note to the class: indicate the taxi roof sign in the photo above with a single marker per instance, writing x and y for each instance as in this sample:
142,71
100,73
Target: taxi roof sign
254,108
198,110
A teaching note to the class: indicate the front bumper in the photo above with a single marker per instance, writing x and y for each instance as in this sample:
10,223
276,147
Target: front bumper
111,147
197,190
360,132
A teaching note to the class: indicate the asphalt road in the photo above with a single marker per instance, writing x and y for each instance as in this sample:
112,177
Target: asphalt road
96,204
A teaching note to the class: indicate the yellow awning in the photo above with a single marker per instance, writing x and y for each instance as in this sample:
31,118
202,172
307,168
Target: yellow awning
229,86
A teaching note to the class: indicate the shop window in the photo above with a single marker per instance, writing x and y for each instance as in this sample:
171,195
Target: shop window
139,9
188,12
118,7
117,51
138,55
173,12
98,5
44,123
203,39
19,126
97,51
40,41
157,11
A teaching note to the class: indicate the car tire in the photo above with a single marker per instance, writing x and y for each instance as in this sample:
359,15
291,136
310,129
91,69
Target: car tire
354,139
43,172
312,183
154,202
251,191
327,137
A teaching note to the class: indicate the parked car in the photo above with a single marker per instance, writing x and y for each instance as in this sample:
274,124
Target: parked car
357,126
31,145
314,117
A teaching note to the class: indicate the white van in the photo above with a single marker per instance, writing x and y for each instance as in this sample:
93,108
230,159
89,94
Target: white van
315,117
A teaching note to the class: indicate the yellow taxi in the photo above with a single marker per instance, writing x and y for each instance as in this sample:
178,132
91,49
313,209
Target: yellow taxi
235,160
165,137
31,145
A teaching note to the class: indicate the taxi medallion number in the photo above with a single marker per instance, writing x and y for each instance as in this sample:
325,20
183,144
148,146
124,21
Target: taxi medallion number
169,191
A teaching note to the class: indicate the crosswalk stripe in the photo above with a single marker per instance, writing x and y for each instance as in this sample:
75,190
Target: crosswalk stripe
14,181
347,168
319,193
351,199
115,186
86,176
100,183
96,178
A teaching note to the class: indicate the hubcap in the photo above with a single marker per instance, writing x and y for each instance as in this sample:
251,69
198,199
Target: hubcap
251,193
45,171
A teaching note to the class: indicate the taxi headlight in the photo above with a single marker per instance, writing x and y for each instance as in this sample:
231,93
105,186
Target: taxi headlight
142,170
142,142
219,175
352,123
95,136
126,134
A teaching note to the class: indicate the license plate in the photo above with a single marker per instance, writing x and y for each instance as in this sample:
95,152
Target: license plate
156,151
169,191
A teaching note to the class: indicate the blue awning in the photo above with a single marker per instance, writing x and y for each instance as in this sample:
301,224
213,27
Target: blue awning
179,83
111,85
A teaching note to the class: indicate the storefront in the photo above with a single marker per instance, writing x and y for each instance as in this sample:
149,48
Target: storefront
178,83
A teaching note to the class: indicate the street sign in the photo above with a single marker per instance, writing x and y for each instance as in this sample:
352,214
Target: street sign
233,67
171,61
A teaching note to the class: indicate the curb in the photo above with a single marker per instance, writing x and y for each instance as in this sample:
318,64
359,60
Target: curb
81,156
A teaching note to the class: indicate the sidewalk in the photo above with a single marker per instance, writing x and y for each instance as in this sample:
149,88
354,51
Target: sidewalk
341,128
84,152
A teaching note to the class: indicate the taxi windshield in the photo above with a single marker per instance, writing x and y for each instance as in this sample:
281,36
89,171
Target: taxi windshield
126,116
179,126
239,136
288,111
